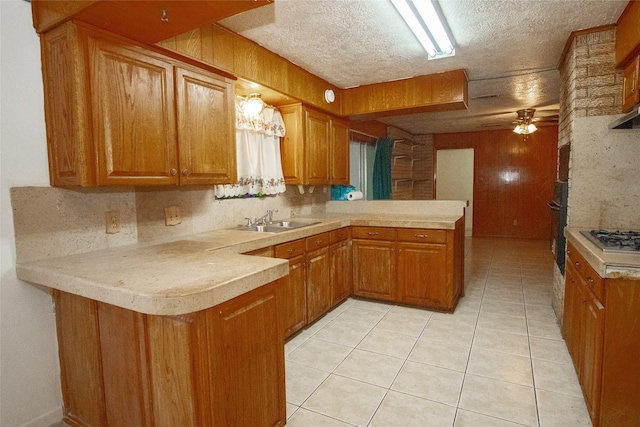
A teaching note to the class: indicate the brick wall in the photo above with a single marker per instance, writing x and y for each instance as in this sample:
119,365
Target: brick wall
590,86
421,186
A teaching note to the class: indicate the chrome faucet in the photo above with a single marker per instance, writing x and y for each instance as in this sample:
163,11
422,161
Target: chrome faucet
270,215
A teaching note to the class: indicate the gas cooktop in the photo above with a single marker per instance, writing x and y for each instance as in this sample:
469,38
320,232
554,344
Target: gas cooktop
615,241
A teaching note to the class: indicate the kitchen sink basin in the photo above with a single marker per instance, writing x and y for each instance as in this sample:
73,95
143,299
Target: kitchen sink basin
264,228
293,224
278,226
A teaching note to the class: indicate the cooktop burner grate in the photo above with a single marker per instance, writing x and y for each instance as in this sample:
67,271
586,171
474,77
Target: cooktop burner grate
615,241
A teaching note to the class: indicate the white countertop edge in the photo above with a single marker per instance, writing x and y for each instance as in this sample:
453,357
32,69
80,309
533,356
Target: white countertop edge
153,303
607,265
233,244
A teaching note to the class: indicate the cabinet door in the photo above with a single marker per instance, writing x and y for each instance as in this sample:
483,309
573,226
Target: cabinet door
571,315
247,373
422,275
294,296
69,144
317,147
374,269
206,128
341,271
292,145
133,115
339,152
630,93
590,378
318,284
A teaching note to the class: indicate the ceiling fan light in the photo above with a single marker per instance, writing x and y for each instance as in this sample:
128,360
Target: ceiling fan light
525,128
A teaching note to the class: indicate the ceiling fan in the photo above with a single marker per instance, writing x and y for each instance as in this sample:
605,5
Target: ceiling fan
525,122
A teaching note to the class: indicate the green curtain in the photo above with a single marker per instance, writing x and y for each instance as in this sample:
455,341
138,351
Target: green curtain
382,169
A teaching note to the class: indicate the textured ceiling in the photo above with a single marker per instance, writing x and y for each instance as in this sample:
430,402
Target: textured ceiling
510,49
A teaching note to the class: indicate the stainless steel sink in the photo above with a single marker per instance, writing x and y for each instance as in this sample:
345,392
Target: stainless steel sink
293,224
264,228
278,226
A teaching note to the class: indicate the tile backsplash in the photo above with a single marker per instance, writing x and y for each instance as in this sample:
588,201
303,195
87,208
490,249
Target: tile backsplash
51,222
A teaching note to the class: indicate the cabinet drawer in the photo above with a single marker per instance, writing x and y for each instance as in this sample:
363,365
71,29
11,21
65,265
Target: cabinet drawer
575,258
586,272
338,235
373,233
317,241
594,281
290,249
422,235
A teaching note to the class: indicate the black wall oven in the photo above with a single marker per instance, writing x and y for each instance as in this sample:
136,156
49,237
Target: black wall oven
558,208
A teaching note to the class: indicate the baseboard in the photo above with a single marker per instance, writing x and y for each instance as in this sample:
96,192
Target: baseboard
46,420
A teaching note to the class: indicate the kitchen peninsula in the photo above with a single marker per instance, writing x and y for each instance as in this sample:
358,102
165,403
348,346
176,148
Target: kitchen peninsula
180,333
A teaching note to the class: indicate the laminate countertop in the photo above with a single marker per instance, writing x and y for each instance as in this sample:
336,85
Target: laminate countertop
194,273
609,265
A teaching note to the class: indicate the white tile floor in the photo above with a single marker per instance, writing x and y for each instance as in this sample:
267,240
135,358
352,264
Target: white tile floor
499,360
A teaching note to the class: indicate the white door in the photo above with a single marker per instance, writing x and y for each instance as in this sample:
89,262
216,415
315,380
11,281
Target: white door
454,179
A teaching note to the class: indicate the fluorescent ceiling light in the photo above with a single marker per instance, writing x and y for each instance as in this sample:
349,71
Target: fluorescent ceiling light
424,22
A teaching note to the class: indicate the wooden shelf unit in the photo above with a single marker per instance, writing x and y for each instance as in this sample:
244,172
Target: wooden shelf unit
409,174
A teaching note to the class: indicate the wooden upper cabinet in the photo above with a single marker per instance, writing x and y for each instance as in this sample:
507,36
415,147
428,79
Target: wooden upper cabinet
307,155
144,21
434,92
65,98
628,34
630,80
110,109
316,137
133,114
292,144
339,152
206,125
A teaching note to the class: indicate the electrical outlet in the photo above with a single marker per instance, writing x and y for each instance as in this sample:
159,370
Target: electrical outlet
172,215
113,222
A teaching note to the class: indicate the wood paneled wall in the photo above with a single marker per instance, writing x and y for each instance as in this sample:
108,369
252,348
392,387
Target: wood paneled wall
513,180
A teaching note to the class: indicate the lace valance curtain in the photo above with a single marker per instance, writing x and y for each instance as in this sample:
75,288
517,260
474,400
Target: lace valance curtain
257,153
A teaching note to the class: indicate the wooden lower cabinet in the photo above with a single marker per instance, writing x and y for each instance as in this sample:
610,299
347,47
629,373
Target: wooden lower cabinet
293,287
318,277
422,274
603,346
374,268
217,367
341,265
423,267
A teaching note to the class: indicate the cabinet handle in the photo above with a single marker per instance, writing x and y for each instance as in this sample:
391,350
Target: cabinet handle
422,236
185,172
173,172
577,263
372,233
590,280
291,250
